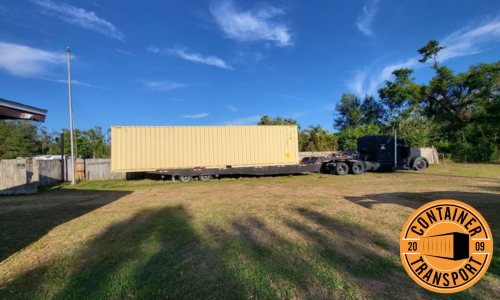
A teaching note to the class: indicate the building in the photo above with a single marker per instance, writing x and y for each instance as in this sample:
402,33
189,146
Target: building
10,110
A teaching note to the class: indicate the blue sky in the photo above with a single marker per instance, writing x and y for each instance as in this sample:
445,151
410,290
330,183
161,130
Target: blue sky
225,62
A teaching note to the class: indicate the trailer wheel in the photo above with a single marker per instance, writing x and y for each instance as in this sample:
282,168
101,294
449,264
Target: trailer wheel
357,168
419,164
185,178
342,168
205,177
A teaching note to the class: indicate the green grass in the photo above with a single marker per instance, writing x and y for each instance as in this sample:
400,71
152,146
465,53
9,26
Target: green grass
293,237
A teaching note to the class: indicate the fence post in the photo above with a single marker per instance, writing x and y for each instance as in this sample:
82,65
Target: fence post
62,156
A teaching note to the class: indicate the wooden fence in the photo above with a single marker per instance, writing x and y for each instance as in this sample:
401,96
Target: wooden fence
21,176
18,176
86,169
49,172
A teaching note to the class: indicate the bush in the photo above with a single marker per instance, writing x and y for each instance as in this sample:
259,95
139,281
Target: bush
347,139
481,150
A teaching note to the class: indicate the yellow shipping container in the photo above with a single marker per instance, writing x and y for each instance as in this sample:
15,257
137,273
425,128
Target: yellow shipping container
149,148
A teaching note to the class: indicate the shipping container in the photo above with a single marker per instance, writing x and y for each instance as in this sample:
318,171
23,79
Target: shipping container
149,148
454,246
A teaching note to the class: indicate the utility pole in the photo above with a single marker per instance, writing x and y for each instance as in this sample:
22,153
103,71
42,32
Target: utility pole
71,124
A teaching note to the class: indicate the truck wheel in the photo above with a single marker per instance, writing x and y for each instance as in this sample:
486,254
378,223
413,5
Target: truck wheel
357,168
342,168
419,164
185,178
205,177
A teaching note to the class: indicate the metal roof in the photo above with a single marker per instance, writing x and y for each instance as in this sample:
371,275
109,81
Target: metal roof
17,111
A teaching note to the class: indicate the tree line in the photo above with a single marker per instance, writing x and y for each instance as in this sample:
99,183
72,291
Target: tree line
27,139
458,113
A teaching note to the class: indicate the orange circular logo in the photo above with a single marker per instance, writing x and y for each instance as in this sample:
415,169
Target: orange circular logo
446,246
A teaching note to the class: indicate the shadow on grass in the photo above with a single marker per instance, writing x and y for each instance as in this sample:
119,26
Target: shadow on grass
159,253
25,219
416,200
487,204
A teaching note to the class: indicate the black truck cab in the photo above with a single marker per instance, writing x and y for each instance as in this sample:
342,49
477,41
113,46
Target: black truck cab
378,152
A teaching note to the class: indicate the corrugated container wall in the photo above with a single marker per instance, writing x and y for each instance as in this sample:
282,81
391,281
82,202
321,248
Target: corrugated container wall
141,148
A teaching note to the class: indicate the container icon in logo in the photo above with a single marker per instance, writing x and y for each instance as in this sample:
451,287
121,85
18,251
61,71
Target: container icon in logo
454,246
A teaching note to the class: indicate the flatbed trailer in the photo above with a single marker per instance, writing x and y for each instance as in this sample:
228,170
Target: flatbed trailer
373,153
187,175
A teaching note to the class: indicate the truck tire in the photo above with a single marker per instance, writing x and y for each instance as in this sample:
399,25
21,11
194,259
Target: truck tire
357,168
342,168
420,164
205,177
185,178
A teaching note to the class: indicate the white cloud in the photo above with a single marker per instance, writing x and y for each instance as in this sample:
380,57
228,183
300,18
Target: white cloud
65,81
164,85
126,52
194,57
462,42
369,80
25,61
232,108
253,25
365,20
244,121
197,116
466,41
81,17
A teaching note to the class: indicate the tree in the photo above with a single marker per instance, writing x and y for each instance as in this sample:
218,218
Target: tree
316,138
402,95
347,139
418,130
266,120
430,50
92,144
460,109
373,111
45,139
18,139
349,112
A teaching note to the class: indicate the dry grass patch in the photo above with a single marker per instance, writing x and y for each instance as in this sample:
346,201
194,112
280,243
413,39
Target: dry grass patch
299,237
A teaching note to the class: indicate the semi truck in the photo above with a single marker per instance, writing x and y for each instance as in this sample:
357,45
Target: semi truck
204,152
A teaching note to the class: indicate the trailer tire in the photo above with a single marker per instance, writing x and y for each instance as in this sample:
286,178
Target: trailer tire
342,168
205,177
357,168
185,178
420,164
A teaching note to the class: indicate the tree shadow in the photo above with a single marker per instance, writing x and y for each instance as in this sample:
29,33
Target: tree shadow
270,266
160,253
25,219
416,200
487,204
154,254
372,261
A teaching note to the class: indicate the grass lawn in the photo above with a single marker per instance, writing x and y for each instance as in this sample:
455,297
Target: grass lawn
295,237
